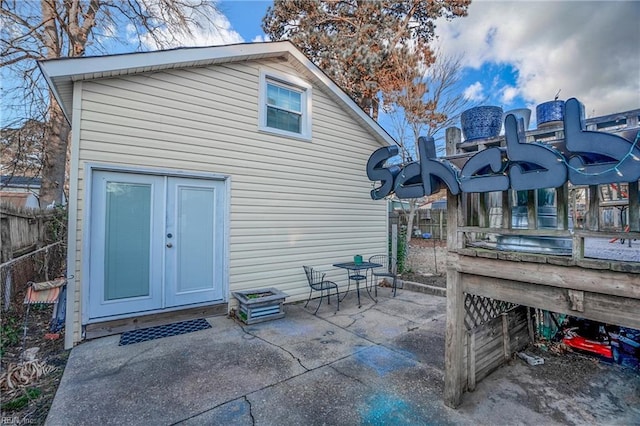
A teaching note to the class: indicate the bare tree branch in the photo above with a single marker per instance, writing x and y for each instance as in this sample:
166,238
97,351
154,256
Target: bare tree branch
45,29
424,103
362,45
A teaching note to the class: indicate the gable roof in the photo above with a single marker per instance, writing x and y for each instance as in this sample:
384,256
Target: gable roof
61,73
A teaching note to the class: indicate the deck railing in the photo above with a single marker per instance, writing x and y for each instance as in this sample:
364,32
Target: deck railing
569,215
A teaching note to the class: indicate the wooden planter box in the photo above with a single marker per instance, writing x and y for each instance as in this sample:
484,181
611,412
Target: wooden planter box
260,305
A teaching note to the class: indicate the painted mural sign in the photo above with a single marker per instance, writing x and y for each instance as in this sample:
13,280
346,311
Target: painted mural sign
587,158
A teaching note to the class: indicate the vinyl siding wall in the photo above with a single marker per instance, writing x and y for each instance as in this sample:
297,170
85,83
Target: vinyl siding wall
292,202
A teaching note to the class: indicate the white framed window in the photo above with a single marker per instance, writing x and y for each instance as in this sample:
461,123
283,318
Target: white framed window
285,105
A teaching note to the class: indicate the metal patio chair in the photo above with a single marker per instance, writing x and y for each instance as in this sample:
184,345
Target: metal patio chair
318,283
389,269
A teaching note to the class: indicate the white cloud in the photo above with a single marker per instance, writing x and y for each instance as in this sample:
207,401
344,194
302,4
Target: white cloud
261,38
588,50
110,31
475,92
216,30
509,93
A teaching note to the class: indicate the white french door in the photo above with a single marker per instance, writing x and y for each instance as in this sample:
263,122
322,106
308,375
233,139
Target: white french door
194,257
156,243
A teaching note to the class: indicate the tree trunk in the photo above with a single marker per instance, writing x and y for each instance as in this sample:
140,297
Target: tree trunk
374,109
57,129
412,213
53,168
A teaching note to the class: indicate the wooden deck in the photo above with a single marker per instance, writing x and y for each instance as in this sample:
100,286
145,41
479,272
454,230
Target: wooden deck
605,290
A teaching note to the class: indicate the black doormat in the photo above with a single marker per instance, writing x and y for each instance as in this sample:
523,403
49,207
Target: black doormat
142,335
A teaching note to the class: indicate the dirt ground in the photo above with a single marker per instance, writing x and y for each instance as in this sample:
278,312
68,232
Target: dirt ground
560,388
426,262
30,404
433,280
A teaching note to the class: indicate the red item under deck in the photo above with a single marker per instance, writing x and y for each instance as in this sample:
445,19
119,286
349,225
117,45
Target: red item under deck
579,342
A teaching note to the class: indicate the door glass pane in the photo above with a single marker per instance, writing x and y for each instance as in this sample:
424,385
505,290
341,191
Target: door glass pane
127,240
195,238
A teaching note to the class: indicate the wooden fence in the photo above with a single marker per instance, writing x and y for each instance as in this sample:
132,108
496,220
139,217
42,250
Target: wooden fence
43,264
24,230
425,221
434,222
33,249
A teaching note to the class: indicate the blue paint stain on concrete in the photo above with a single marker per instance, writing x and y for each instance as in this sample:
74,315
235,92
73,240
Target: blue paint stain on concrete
387,409
407,354
234,412
382,360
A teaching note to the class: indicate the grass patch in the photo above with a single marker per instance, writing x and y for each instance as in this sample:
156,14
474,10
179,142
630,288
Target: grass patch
10,334
23,400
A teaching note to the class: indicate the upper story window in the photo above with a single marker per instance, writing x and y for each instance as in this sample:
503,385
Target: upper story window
285,105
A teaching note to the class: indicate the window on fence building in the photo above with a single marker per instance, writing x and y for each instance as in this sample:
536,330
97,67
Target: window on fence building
285,106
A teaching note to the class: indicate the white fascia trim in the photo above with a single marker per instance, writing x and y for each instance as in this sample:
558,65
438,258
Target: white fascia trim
54,89
64,71
307,99
167,58
72,218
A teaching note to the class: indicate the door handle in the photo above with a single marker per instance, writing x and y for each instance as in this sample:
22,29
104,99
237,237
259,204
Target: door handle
169,245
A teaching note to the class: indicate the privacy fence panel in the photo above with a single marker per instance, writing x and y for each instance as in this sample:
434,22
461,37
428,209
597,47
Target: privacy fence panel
27,228
425,221
33,249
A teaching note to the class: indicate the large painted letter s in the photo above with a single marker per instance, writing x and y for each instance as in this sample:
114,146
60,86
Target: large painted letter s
376,171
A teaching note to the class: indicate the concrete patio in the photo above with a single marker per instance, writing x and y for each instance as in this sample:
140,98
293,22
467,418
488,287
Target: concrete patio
380,364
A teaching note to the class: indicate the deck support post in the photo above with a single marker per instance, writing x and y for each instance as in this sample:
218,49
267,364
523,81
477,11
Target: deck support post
454,343
454,377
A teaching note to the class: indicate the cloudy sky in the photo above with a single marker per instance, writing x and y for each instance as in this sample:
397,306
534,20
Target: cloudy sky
519,53
523,53
516,53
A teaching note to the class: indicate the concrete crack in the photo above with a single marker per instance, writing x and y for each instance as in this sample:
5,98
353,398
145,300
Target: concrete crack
277,346
368,308
409,328
345,374
353,321
215,407
120,367
354,316
253,420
